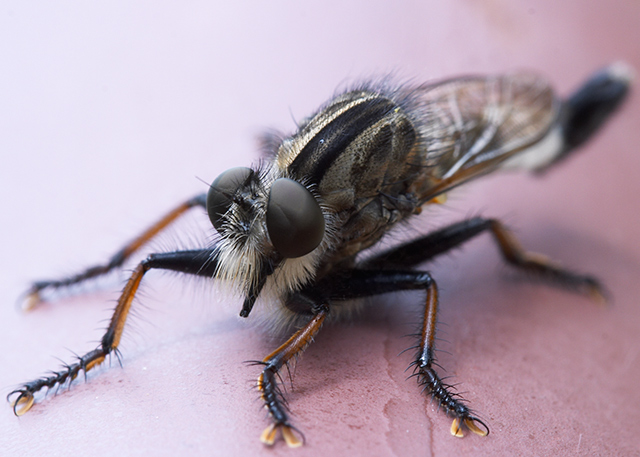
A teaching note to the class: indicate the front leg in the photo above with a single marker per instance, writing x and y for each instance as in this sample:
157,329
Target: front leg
268,380
198,262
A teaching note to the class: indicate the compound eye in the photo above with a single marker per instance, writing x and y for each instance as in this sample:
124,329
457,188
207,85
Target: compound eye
221,192
294,219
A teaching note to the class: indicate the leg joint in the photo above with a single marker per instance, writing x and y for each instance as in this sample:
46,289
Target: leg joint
424,279
107,340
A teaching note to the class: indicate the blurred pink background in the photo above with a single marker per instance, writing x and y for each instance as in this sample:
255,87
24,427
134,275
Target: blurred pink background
111,113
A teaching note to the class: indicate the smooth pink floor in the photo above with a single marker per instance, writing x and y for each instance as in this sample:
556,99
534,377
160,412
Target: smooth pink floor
112,113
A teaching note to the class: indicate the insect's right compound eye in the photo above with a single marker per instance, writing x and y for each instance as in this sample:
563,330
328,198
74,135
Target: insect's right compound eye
294,219
221,192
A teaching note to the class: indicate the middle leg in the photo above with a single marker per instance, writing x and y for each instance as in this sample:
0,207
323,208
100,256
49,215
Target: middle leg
354,284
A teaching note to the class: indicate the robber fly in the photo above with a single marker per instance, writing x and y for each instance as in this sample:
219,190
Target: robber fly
295,230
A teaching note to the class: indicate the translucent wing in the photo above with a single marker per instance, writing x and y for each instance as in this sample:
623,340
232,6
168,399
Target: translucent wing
471,126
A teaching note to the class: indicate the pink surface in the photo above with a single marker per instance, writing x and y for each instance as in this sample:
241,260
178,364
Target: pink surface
109,112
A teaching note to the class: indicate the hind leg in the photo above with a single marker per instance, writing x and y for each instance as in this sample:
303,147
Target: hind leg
443,240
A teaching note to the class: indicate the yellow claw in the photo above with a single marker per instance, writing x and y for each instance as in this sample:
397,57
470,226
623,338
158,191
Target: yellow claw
290,438
23,403
456,429
471,425
31,301
268,436
598,296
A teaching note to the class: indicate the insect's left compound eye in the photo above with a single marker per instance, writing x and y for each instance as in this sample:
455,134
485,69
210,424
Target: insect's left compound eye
222,191
294,219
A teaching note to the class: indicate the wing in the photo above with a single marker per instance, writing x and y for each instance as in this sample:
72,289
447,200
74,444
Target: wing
470,126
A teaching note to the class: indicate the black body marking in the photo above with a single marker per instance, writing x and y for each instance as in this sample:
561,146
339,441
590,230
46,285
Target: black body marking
324,148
